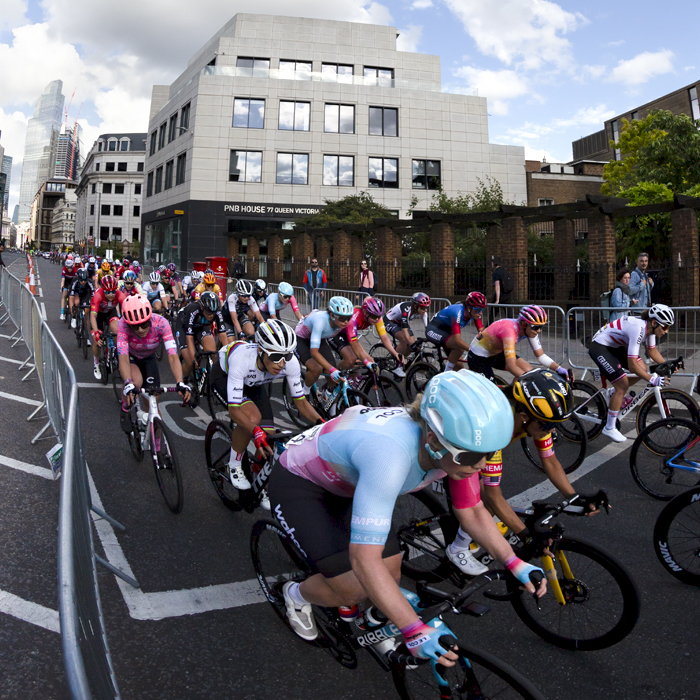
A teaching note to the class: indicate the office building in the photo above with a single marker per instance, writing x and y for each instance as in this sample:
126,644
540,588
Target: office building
63,222
7,169
68,152
47,198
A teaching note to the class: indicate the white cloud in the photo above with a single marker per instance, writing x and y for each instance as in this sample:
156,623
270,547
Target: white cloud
688,68
529,32
643,67
586,116
619,42
422,4
592,72
497,86
14,131
541,154
13,12
409,38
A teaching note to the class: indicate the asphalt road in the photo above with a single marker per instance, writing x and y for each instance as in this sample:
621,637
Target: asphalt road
197,629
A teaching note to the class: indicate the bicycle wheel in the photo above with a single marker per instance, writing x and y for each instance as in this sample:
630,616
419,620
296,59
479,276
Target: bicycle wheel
671,440
676,403
590,408
217,450
86,335
570,443
387,393
354,398
379,352
477,675
417,377
135,438
602,603
292,410
677,537
78,331
213,403
167,466
104,369
116,384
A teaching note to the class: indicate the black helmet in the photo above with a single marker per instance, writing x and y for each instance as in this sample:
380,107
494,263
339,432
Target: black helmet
209,301
82,275
545,395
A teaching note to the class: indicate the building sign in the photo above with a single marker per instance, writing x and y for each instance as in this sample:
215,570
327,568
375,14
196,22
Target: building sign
271,210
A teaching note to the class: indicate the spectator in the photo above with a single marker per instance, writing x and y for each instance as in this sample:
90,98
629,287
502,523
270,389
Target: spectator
238,269
315,279
640,282
620,298
366,287
2,250
502,285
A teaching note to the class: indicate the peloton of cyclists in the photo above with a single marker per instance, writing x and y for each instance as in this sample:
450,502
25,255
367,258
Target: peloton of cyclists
277,301
155,292
208,284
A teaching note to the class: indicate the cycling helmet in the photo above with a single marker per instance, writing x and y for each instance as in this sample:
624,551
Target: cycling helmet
136,309
197,275
261,285
172,267
109,283
209,301
91,260
136,267
209,278
467,411
154,277
69,262
82,275
340,306
166,274
106,266
244,287
373,306
286,289
421,299
135,262
475,300
130,276
117,261
663,314
208,271
546,395
534,315
275,336
161,268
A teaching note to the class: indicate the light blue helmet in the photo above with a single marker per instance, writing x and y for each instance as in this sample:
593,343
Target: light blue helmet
340,306
468,411
286,289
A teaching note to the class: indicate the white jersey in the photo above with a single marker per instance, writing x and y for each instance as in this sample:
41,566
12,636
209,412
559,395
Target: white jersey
628,331
153,291
240,362
234,305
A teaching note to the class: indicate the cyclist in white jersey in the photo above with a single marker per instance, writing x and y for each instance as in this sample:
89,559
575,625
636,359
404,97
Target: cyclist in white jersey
615,348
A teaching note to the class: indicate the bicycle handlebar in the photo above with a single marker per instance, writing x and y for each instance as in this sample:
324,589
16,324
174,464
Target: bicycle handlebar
540,519
665,369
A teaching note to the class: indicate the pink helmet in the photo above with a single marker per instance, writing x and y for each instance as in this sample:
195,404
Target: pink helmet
136,309
421,299
373,306
534,315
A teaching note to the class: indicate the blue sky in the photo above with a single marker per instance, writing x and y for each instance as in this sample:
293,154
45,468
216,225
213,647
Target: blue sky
552,72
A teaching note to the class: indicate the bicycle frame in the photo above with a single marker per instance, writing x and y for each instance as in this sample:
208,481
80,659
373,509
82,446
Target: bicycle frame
624,412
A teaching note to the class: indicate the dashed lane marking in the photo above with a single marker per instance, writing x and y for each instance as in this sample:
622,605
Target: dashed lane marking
28,468
33,613
21,399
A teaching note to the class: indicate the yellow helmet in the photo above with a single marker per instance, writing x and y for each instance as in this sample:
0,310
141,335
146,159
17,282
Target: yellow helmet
209,278
544,395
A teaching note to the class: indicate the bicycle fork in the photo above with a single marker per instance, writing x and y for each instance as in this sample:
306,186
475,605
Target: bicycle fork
551,574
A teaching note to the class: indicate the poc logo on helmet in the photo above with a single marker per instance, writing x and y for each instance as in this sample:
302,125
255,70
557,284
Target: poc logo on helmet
477,437
432,393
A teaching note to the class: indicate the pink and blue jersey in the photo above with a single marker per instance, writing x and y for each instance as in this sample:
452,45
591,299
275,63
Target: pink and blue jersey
128,343
315,327
273,304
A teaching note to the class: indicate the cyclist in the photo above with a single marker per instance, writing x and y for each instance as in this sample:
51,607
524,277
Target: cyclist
247,367
335,486
615,348
67,277
276,302
176,282
208,284
155,292
194,326
445,328
494,347
397,320
260,291
136,267
129,285
81,292
91,268
238,309
105,269
140,332
103,309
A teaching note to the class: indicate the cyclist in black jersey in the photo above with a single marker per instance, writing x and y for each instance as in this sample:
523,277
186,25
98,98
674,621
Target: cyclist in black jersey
396,320
194,325
81,292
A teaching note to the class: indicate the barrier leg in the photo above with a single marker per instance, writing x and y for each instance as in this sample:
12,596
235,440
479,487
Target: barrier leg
108,518
26,376
117,572
36,410
38,437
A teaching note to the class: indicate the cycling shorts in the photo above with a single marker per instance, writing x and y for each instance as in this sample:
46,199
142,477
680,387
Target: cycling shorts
148,366
241,317
104,317
338,342
257,394
392,328
437,335
612,361
486,365
319,521
304,351
199,333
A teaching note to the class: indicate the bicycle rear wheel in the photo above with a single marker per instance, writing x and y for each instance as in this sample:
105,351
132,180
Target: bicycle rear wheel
379,352
217,450
417,377
167,467
677,537
670,440
387,393
602,603
590,408
570,441
477,675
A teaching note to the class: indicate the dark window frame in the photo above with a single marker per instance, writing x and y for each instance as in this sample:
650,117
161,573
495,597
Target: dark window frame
106,188
162,131
180,166
384,110
105,209
109,167
384,180
248,100
118,188
292,154
149,184
154,142
172,128
168,180
158,181
337,158
185,117
339,105
428,183
118,210
121,167
137,188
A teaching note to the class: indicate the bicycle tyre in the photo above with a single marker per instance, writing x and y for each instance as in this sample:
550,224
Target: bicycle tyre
477,673
379,352
292,411
354,398
594,410
649,404
212,400
570,432
648,465
104,370
388,391
167,467
217,457
417,377
78,332
135,438
581,594
159,351
85,333
116,378
677,537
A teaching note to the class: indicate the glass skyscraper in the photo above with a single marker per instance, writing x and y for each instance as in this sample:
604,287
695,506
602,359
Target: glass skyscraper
7,169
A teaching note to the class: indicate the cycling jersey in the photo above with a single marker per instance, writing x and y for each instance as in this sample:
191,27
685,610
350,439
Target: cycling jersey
626,331
128,343
453,318
358,322
401,314
192,318
91,270
68,275
315,328
100,304
135,289
202,288
234,305
153,292
273,305
501,337
102,273
82,291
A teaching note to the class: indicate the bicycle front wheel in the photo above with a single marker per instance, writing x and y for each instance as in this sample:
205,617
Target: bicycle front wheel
676,404
217,450
677,537
165,462
417,377
386,393
600,602
476,675
590,408
292,410
570,442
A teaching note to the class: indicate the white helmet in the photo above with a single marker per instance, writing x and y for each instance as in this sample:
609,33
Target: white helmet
91,260
117,261
69,262
663,314
275,336
154,277
244,287
261,284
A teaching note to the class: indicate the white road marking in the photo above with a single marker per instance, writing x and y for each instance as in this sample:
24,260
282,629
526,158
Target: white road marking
170,422
41,292
93,385
21,399
277,399
29,612
28,468
16,362
43,311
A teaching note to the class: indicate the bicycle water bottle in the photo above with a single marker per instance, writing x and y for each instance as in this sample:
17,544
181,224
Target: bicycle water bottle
371,618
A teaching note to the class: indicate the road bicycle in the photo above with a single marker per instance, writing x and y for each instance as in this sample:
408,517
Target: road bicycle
381,389
82,330
677,537
665,458
476,674
592,602
422,350
109,362
202,385
154,436
654,402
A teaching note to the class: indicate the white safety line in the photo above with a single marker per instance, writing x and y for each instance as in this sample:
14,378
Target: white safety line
41,292
21,399
16,362
29,612
28,468
93,385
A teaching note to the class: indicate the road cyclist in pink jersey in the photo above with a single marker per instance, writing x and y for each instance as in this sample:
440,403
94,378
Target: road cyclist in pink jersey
278,301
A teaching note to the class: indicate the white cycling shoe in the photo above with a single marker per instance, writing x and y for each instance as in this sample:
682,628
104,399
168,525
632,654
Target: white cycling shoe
399,372
466,562
264,500
97,372
614,434
301,619
238,478
73,323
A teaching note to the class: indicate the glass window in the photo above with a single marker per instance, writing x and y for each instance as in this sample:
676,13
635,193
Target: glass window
117,233
154,139
339,171
94,188
121,167
635,116
104,233
92,210
134,234
616,136
383,77
149,184
105,209
159,180
292,169
295,70
106,188
248,114
339,119
137,189
336,73
97,167
383,121
254,67
294,116
169,174
161,136
245,166
119,188
109,167
384,172
185,117
118,210
694,105
137,210
426,174
544,202
180,170
125,145
99,146
139,167
112,145
172,128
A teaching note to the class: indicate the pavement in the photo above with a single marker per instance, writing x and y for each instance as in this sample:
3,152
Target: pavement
198,627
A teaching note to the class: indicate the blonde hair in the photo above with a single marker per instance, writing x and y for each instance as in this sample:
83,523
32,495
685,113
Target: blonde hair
413,410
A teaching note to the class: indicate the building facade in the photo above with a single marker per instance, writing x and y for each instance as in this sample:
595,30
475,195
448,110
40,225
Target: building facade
63,222
110,191
274,115
47,198
7,169
68,152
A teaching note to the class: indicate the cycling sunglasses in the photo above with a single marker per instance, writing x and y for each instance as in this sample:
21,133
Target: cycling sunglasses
285,296
546,426
129,284
244,296
141,326
537,329
277,357
465,458
373,317
341,318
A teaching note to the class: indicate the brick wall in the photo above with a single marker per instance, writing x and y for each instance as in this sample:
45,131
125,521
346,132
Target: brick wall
442,258
388,271
253,258
559,187
275,258
684,241
232,248
565,258
514,255
323,250
341,257
601,253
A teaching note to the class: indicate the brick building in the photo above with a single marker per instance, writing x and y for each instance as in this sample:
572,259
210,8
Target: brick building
556,183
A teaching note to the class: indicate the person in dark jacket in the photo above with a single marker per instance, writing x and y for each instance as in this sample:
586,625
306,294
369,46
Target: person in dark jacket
238,269
620,298
315,279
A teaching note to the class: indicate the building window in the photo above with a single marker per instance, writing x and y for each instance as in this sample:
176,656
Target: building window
92,231
384,172
545,202
105,209
112,145
694,105
245,166
109,167
185,117
139,167
137,189
379,76
119,188
117,233
383,121
149,184
97,167
635,116
168,174
294,116
134,234
292,169
124,145
248,114
121,167
161,136
295,70
154,139
253,67
616,136
92,210
159,180
137,210
339,171
336,73
180,170
106,188
118,210
104,233
94,188
99,145
339,119
426,174
172,128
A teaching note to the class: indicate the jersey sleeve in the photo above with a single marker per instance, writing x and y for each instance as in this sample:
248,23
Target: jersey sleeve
293,303
457,317
545,446
351,328
493,470
293,374
535,342
479,323
508,339
406,314
635,337
465,493
235,382
272,304
96,301
381,329
253,305
166,334
650,341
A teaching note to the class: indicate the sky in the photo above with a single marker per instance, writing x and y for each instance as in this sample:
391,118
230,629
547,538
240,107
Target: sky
551,72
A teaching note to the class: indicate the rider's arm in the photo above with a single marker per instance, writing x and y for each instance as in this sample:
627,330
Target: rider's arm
123,353
94,308
386,340
295,307
634,362
655,355
497,287
511,360
219,318
317,324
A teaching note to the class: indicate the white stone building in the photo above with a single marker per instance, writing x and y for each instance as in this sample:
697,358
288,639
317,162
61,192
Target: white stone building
63,221
275,114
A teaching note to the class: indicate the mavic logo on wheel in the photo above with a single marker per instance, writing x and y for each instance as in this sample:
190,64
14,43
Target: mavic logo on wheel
663,548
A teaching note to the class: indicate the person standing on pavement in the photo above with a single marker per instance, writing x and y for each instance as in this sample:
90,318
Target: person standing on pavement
366,286
238,269
315,279
2,250
502,286
640,282
620,297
